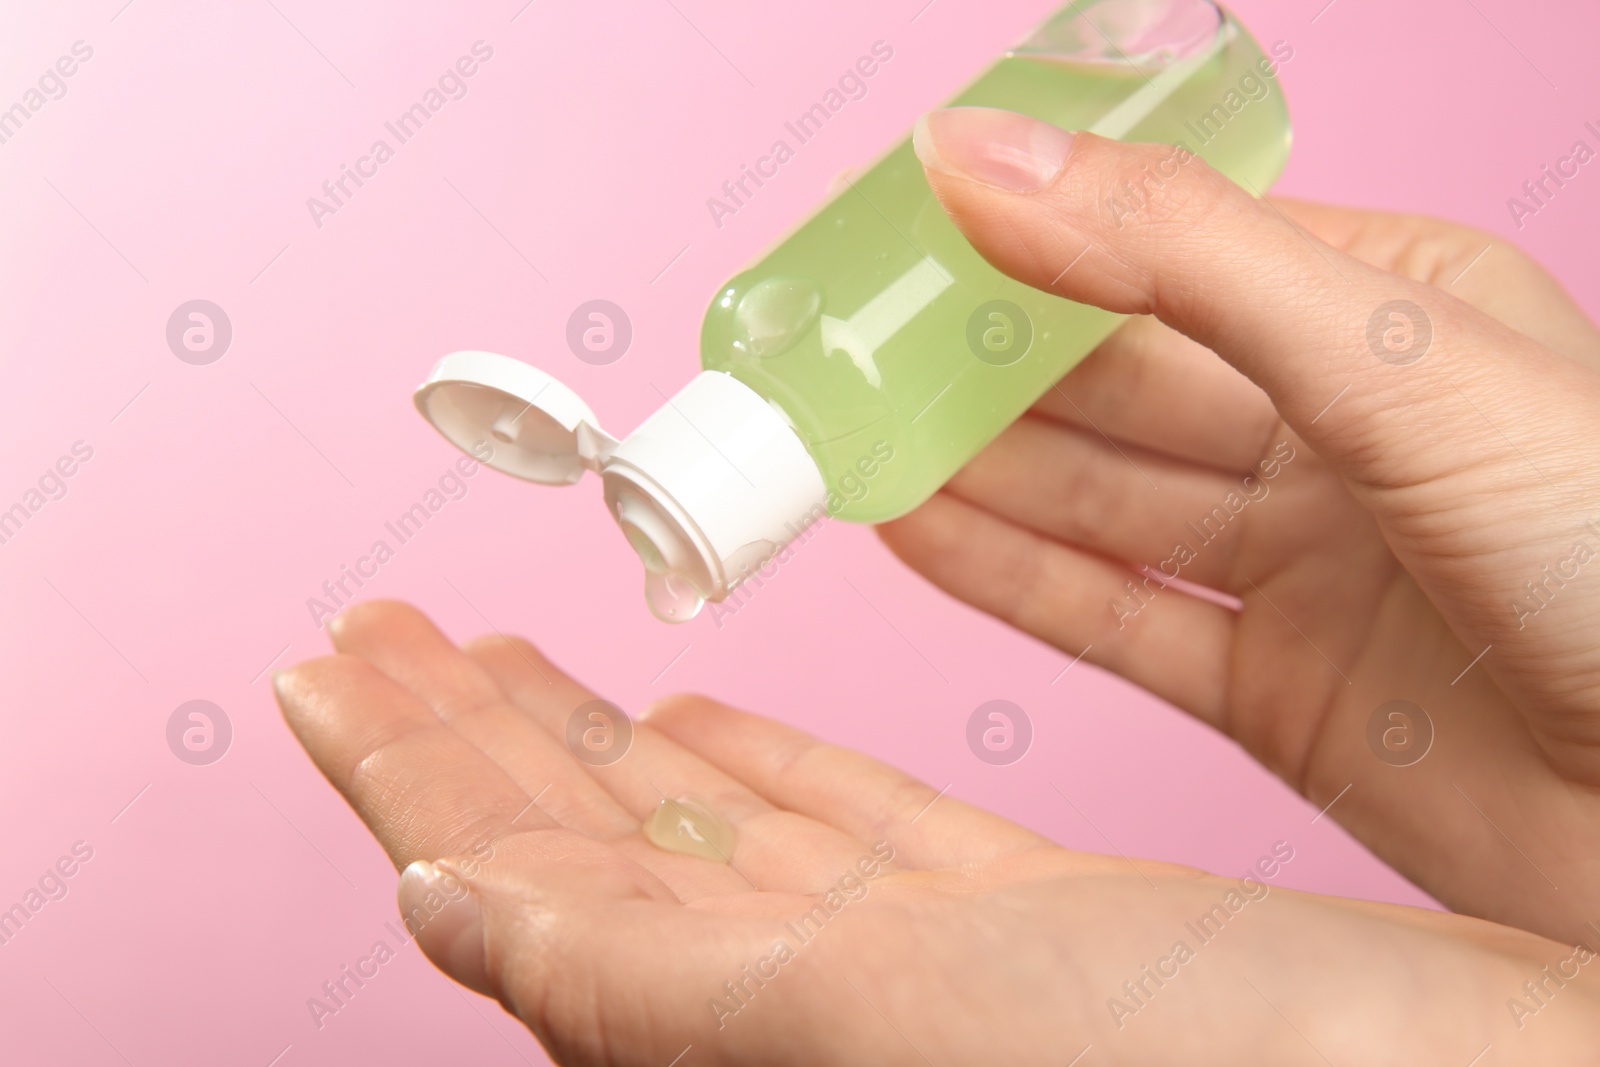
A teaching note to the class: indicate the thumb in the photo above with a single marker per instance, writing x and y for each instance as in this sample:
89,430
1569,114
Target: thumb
1151,229
446,920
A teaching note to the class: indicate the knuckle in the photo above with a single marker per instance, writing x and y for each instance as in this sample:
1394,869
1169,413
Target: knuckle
906,799
1437,249
1155,187
1091,497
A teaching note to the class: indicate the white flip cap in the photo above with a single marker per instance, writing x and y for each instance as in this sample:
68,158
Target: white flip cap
706,490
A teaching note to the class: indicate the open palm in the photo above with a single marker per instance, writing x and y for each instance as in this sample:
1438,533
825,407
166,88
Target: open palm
527,878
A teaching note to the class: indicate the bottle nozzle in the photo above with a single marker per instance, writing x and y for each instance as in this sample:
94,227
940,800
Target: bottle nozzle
705,490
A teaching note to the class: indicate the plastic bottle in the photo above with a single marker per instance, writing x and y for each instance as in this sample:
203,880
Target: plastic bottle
862,361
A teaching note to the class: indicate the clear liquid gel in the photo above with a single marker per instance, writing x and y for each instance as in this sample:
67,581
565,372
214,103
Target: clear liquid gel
872,352
690,825
671,597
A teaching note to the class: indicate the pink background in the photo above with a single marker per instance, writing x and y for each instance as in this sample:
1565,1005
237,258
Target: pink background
177,567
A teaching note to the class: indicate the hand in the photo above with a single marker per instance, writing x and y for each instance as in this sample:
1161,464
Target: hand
1376,500
977,942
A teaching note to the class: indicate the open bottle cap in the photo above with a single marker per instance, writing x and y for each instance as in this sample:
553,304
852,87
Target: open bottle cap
706,489
536,428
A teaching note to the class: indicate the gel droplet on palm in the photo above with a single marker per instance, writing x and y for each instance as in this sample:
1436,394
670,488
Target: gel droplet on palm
671,597
690,826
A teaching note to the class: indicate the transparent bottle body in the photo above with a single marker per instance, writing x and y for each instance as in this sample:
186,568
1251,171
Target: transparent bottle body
894,349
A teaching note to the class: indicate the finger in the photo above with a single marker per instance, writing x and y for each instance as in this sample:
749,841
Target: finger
1120,501
557,878
423,790
776,849
1150,385
399,641
1483,269
1301,319
1175,645
624,980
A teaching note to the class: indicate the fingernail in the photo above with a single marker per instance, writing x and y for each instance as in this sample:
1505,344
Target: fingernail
444,918
1002,149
